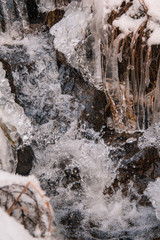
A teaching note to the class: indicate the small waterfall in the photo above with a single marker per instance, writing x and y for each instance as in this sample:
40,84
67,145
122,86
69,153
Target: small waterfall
131,62
56,95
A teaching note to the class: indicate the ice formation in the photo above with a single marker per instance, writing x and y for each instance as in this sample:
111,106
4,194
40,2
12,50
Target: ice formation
139,110
73,163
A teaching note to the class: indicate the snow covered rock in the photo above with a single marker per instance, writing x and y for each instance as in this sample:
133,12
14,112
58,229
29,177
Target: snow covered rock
23,198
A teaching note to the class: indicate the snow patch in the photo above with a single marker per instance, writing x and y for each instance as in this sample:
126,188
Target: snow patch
10,229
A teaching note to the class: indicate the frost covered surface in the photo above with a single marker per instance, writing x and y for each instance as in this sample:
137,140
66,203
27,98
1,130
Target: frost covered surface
127,24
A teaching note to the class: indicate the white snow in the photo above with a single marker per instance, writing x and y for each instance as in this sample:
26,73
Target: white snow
7,179
10,180
153,8
112,4
155,36
10,229
127,24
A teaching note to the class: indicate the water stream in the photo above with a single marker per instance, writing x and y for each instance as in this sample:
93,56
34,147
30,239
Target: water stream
62,94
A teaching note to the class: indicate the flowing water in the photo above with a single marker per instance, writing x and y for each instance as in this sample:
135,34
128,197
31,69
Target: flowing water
41,106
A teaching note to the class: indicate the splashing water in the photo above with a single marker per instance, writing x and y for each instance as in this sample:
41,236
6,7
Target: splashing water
73,163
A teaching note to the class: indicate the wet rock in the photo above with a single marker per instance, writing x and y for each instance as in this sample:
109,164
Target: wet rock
111,137
49,185
123,235
72,222
72,83
72,177
9,76
61,59
25,157
32,9
140,169
53,17
65,175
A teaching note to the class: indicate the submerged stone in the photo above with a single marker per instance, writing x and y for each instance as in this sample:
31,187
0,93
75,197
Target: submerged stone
25,157
140,169
94,100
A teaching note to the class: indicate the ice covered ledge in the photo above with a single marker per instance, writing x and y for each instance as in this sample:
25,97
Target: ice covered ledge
113,44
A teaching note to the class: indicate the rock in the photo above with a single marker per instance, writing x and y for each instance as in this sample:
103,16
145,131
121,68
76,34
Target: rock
72,177
32,9
25,157
94,100
141,168
72,222
53,17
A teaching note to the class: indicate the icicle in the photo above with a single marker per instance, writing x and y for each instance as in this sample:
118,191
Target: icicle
149,110
98,34
134,80
98,71
115,77
147,65
141,100
156,115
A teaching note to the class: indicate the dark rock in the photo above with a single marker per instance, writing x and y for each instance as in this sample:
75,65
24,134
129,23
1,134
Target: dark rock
72,177
9,76
2,20
53,17
72,83
72,222
49,185
142,168
115,139
25,157
89,48
61,59
32,10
